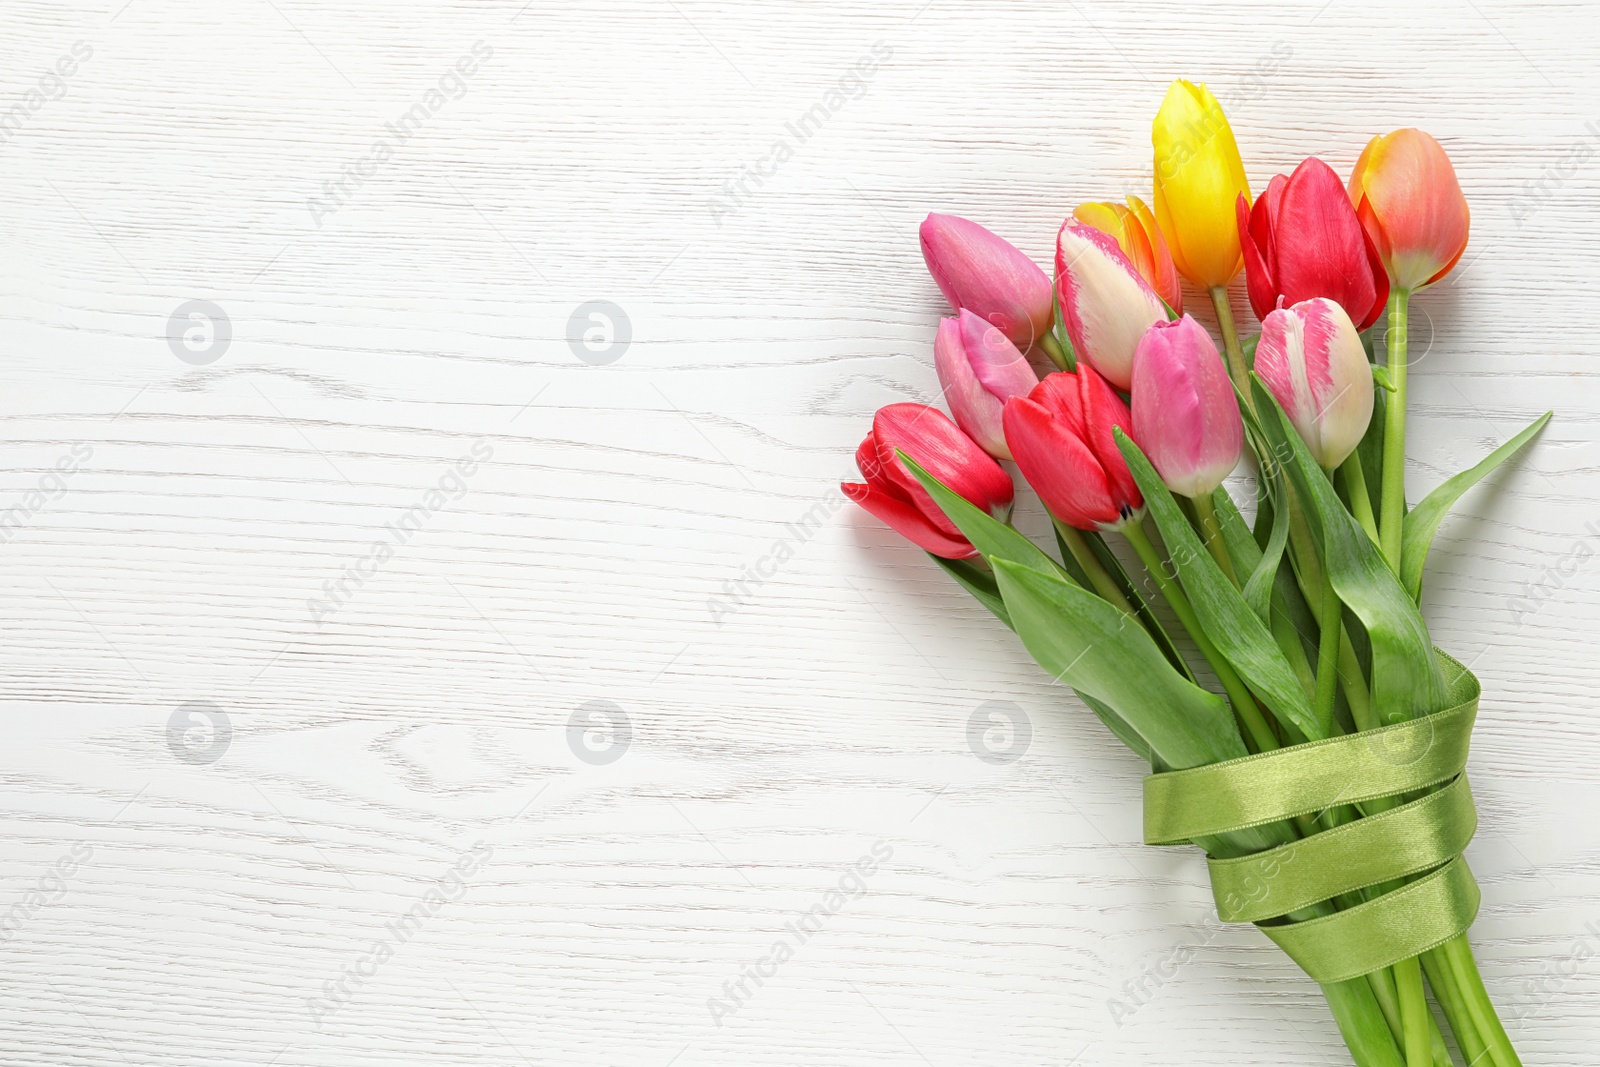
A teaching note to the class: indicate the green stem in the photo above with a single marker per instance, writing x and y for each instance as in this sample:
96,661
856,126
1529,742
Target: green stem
1052,348
1211,530
1330,623
1414,1017
1099,577
1469,991
1355,480
1230,344
1442,979
1244,705
1391,522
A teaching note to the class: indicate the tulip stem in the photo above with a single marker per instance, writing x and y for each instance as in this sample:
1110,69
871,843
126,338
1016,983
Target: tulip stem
1099,577
1230,344
1355,480
1414,1017
1330,623
1244,705
1391,522
1052,348
1211,530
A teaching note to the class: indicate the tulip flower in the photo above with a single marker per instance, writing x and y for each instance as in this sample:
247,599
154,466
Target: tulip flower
1061,437
1311,359
974,269
1185,416
980,369
1198,176
1407,197
1140,239
1105,303
1303,240
891,493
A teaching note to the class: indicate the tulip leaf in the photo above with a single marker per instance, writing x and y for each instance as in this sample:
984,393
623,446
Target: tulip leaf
1263,579
1086,643
1406,681
1423,520
1119,575
1238,632
980,583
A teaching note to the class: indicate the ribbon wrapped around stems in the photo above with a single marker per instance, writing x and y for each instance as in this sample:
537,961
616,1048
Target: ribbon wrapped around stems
1416,765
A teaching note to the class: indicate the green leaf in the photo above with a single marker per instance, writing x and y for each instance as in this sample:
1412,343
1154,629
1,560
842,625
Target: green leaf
1113,565
1101,652
977,581
1424,519
1058,326
988,535
1236,535
1258,587
1238,632
1122,731
1405,675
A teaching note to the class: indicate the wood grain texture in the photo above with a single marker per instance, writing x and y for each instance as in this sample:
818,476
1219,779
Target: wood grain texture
165,911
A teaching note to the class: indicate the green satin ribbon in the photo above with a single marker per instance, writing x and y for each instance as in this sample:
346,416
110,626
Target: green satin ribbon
1426,834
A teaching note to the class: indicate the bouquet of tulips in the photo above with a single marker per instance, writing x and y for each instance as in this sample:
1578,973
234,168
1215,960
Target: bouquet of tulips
1300,725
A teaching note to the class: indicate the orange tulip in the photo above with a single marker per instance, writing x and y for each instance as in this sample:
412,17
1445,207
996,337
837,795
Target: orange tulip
1407,197
1137,234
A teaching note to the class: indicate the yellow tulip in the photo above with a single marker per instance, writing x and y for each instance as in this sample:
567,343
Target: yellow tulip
1198,181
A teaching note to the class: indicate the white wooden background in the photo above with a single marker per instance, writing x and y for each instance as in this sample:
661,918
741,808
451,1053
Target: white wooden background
173,895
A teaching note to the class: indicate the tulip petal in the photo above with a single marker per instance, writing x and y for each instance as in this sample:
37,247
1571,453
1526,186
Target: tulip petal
1198,176
908,522
1258,275
1058,465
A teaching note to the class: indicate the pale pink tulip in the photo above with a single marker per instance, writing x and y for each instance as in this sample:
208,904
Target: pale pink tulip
1105,303
1311,359
980,369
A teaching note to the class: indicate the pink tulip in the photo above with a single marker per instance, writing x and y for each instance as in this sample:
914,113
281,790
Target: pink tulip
980,369
1061,436
1310,358
1106,304
974,269
1185,416
892,494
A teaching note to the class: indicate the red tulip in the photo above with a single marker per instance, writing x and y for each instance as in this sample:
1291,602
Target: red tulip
1060,434
891,493
989,276
1302,240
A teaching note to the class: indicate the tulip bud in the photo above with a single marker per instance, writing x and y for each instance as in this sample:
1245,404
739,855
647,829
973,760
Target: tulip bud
1198,176
1310,357
975,269
1407,197
1137,234
893,495
980,369
1185,416
1061,436
1302,239
1106,305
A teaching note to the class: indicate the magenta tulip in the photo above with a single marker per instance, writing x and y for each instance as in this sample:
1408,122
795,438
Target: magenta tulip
1185,416
1311,359
892,494
980,369
976,270
1106,304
